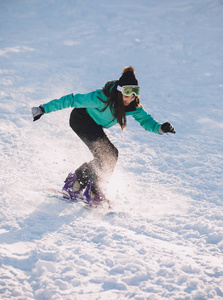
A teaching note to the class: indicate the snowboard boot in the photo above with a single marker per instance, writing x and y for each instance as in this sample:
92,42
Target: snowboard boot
91,198
72,189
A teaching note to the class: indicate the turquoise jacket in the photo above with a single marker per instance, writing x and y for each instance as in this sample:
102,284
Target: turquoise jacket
94,107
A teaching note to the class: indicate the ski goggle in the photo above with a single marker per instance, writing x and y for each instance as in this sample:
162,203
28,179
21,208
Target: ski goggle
128,90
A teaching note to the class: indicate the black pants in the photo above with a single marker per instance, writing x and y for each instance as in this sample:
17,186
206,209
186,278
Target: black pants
104,152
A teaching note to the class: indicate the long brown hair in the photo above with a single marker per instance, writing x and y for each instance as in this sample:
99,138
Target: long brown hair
115,100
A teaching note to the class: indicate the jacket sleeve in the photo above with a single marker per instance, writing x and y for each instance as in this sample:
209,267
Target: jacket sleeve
146,120
89,100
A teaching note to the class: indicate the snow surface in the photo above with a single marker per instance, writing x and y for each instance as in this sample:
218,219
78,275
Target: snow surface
163,238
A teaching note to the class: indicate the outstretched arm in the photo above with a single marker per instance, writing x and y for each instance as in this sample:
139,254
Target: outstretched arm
89,100
147,122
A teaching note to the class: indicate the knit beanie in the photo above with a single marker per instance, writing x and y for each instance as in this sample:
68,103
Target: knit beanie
127,78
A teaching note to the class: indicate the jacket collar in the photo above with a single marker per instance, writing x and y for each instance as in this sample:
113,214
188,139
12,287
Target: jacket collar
131,107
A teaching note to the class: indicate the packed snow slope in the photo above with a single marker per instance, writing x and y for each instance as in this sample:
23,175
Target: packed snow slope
163,239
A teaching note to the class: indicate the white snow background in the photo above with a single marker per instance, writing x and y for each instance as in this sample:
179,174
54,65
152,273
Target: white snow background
163,239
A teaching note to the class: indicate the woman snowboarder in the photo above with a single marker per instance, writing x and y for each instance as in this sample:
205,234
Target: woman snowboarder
92,112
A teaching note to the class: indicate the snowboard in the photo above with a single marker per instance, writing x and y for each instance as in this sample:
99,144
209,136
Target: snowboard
60,195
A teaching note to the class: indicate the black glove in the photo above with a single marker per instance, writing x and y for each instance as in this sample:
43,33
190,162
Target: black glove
167,127
37,112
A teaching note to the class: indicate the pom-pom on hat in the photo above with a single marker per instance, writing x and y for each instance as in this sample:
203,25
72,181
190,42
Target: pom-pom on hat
128,77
